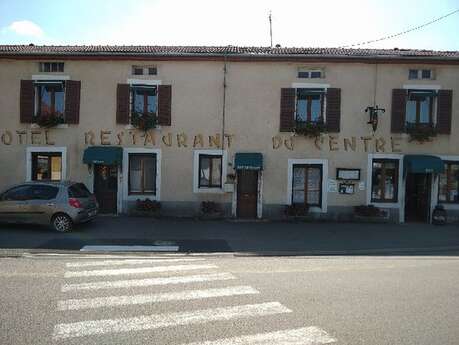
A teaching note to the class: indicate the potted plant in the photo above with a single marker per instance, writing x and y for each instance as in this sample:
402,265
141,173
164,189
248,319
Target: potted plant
210,210
421,132
49,120
370,213
310,129
147,208
143,121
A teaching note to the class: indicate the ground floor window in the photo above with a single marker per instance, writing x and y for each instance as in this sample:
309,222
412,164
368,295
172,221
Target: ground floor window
448,191
46,166
384,181
210,171
307,184
142,173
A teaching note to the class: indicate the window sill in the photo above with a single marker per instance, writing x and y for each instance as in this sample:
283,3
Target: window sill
215,190
61,126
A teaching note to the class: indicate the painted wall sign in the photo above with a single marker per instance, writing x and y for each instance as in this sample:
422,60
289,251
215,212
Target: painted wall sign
347,144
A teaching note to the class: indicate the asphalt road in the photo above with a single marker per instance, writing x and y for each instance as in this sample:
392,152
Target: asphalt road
176,299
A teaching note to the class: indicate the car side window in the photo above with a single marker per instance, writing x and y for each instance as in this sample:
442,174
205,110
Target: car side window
42,192
19,193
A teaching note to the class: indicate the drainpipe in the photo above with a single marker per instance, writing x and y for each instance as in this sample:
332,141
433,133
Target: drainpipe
224,99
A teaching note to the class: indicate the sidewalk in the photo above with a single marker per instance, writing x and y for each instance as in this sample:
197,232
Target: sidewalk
249,238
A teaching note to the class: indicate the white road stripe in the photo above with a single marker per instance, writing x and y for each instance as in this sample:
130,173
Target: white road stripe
119,284
299,336
126,262
94,248
146,322
139,270
111,301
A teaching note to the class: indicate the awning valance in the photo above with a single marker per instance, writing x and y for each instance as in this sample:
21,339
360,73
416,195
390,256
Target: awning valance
109,155
423,164
248,161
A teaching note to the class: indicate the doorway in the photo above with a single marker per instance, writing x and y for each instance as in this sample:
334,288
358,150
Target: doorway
247,193
417,197
106,187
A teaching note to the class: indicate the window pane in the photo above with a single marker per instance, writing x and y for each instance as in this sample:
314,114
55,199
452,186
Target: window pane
424,116
298,178
216,171
413,74
59,101
152,70
138,71
454,184
298,197
43,192
151,105
204,173
316,108
138,101
316,74
45,100
78,190
384,181
149,166
426,74
135,173
301,110
18,194
411,111
376,192
313,198
56,168
389,184
443,187
303,74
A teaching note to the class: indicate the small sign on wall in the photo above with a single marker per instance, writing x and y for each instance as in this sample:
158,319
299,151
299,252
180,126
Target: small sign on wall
332,186
346,188
347,174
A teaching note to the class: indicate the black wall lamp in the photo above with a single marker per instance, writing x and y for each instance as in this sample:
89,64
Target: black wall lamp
374,112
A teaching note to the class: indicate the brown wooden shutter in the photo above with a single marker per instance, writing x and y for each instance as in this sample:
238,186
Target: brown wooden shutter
287,109
122,104
27,101
164,105
444,111
72,101
333,117
398,111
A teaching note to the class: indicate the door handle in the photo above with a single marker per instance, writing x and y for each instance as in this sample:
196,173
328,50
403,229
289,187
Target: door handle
50,204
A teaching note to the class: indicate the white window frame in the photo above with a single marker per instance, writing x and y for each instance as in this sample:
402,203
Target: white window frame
400,204
313,86
448,206
324,163
45,149
422,87
132,197
196,154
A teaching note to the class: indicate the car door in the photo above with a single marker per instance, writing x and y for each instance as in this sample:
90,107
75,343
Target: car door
14,203
42,204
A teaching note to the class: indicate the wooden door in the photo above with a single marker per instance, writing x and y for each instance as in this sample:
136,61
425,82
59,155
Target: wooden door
106,187
247,193
417,197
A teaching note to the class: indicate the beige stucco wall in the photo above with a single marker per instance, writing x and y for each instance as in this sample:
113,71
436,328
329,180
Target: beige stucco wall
252,116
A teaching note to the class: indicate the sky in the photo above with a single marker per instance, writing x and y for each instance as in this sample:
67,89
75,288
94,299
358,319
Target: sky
306,23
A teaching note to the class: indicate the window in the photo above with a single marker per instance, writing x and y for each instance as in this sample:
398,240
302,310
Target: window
46,166
420,74
50,98
51,67
419,107
144,70
19,193
43,192
309,105
142,174
307,184
310,73
210,171
78,190
448,191
144,99
384,180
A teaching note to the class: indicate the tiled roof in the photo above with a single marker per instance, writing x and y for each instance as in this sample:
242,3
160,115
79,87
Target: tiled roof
278,52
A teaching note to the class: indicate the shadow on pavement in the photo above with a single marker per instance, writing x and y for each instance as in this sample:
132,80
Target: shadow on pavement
251,238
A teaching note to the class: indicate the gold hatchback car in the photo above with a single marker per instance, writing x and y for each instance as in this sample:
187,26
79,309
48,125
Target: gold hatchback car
59,204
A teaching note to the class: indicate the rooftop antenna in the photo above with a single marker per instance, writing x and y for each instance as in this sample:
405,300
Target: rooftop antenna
270,28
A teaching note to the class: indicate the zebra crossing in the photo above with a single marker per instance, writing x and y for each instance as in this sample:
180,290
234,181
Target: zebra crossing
106,279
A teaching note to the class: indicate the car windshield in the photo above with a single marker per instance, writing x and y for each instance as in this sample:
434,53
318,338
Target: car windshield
79,190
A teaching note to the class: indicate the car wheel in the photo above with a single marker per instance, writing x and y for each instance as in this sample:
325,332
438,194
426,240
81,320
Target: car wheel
62,223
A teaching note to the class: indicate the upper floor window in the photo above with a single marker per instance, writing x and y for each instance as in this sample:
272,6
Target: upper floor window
419,107
144,70
51,67
310,73
309,105
420,74
144,99
50,98
384,180
448,191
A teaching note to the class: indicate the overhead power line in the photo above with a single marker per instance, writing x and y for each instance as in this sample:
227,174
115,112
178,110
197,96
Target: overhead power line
403,32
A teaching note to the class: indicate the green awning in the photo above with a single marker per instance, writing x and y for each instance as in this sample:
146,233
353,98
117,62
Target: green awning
248,161
423,164
109,155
